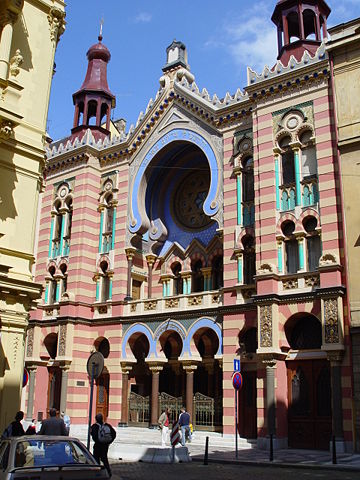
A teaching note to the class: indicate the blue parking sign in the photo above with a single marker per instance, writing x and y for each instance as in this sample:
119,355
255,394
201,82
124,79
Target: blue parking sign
236,365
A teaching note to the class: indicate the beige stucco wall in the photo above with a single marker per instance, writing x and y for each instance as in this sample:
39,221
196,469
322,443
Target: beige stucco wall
30,30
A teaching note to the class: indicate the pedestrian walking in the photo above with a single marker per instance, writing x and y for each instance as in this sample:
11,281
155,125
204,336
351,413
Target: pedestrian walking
184,423
31,430
53,425
66,419
103,435
15,428
164,426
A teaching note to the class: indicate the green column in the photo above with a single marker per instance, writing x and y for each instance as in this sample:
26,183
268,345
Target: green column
164,288
280,258
168,288
62,235
240,268
297,177
57,295
113,230
101,230
301,254
189,285
184,285
97,290
238,190
277,183
51,236
110,288
47,293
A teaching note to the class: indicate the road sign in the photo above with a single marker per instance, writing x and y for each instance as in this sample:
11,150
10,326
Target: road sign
25,377
237,380
175,435
95,364
236,364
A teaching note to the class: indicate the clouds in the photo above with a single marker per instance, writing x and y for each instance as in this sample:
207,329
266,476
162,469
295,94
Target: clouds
143,17
249,39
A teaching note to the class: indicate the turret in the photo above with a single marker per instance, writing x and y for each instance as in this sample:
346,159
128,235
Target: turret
94,101
301,26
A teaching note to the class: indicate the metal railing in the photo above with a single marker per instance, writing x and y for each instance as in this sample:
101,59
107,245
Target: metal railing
139,408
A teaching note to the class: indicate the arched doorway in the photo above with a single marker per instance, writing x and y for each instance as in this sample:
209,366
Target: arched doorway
309,385
102,345
247,398
54,372
207,382
140,382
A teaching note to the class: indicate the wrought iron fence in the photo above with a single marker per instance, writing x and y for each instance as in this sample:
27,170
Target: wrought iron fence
139,408
172,403
204,410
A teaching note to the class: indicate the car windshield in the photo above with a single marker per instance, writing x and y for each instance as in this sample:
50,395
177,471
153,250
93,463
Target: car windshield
32,453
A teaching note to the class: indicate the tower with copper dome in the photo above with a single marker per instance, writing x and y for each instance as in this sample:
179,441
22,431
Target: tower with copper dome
94,100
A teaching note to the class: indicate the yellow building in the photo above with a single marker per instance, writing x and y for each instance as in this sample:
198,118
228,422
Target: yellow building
29,33
344,52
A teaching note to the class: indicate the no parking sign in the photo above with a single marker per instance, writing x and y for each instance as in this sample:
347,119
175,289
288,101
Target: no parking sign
237,380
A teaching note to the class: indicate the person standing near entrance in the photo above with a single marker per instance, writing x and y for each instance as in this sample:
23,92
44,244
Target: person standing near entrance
184,423
53,425
103,434
164,425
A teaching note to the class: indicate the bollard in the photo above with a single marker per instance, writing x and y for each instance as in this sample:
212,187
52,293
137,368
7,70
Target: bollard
271,448
333,450
206,456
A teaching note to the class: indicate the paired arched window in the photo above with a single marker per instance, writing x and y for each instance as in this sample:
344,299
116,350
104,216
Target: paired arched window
62,212
291,248
107,232
105,282
52,287
313,243
178,281
248,192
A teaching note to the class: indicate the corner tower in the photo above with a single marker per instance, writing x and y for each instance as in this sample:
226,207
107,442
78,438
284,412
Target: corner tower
301,26
94,101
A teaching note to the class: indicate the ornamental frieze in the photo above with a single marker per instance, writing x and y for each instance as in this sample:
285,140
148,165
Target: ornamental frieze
266,326
331,321
62,340
30,342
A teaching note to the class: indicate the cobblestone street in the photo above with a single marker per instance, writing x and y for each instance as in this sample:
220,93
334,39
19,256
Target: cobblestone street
198,471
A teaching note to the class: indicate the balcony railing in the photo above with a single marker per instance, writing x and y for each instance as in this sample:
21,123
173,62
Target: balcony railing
106,243
194,301
66,247
310,191
55,252
288,197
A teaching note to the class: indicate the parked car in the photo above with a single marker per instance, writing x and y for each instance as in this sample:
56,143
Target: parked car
43,457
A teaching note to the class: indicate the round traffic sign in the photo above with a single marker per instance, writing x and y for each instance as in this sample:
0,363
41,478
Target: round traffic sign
95,364
25,377
237,380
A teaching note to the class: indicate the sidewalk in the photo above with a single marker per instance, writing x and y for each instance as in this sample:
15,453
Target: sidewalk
133,444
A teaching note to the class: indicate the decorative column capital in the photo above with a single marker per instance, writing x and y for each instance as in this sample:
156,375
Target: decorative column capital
189,367
56,18
31,368
9,16
269,361
126,367
155,368
150,259
130,253
237,171
335,357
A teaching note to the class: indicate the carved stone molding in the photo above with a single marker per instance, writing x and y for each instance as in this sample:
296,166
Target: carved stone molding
6,129
62,340
126,368
150,305
8,16
30,342
172,303
189,367
335,357
155,369
56,18
331,321
193,301
265,326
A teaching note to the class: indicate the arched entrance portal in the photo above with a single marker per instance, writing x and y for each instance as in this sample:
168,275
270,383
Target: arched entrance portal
54,378
140,381
102,345
309,385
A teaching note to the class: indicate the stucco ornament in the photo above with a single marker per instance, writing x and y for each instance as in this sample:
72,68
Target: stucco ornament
331,321
30,342
6,129
62,340
265,326
15,63
56,18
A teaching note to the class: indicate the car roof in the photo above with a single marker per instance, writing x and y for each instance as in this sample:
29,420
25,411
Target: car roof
43,438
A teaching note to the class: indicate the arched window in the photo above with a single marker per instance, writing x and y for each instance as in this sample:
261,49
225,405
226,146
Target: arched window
105,282
67,227
310,28
217,273
91,113
313,243
53,287
197,277
248,192
107,224
291,248
178,282
63,283
293,27
249,260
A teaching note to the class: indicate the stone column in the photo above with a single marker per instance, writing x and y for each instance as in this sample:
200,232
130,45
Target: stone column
155,372
335,359
30,404
190,369
64,386
8,20
125,369
130,253
206,271
270,395
150,262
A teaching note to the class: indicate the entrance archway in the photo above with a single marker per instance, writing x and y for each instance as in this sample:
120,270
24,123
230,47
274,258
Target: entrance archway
309,385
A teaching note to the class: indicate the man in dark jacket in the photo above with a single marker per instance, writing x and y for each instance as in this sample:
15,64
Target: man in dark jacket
99,431
184,423
53,425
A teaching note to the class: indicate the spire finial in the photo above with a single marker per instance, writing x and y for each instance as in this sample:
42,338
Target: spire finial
100,37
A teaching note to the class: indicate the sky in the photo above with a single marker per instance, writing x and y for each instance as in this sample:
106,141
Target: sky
222,39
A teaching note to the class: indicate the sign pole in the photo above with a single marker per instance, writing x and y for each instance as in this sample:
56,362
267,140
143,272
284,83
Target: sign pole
91,402
236,422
